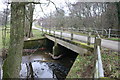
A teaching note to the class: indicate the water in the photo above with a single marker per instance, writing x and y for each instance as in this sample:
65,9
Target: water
41,65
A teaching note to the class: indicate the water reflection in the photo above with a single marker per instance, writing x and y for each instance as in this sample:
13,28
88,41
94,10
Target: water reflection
36,70
43,66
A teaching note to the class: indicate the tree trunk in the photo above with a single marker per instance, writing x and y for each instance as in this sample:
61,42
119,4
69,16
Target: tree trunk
118,9
29,20
12,64
31,9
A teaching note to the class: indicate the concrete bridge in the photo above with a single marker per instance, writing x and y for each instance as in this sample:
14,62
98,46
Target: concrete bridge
69,44
113,45
75,43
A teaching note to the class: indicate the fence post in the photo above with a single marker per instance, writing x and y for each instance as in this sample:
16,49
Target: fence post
71,36
42,29
88,39
49,30
54,31
61,34
46,30
109,33
98,42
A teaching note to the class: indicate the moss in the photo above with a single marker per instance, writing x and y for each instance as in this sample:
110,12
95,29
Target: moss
56,50
84,45
31,44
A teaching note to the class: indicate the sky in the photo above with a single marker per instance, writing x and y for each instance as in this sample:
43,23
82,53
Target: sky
47,9
2,5
51,7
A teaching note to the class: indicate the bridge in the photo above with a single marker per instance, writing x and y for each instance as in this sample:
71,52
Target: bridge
81,44
104,43
68,44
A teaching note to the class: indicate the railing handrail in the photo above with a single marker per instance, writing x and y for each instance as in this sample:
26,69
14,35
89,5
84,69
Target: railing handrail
99,72
99,63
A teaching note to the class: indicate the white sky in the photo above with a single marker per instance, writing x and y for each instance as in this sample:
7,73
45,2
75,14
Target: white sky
51,7
2,6
38,12
59,3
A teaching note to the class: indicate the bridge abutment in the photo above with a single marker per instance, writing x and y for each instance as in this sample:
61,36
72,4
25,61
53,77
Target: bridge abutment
57,51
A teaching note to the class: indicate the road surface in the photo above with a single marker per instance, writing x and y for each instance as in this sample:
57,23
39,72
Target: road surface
114,45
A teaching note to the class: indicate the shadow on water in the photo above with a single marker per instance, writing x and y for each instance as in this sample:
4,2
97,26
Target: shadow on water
41,65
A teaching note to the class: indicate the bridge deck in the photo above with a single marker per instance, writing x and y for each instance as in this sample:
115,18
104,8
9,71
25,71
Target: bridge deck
68,45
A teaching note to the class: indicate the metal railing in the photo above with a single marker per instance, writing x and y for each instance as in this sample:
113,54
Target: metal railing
99,72
104,32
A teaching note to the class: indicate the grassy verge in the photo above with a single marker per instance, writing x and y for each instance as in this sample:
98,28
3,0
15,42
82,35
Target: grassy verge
37,34
84,65
110,63
7,38
114,39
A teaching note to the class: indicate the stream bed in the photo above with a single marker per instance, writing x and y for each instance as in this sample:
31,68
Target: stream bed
41,65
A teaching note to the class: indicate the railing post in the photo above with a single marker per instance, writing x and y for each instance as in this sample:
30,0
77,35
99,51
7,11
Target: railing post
61,34
49,30
42,29
89,38
98,42
109,33
46,30
71,36
54,31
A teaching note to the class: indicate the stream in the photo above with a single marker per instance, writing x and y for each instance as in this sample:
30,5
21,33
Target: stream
41,65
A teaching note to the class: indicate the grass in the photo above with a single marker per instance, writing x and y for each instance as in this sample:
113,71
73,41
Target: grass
37,34
6,39
38,26
114,39
110,63
83,65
